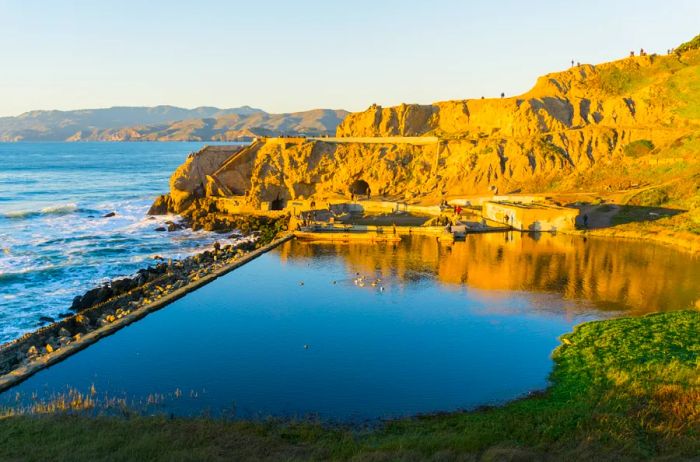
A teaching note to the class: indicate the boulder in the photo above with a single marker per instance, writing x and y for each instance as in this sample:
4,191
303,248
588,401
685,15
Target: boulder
120,286
163,205
91,297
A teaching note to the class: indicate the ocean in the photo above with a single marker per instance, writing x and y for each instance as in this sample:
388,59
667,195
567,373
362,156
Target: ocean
55,242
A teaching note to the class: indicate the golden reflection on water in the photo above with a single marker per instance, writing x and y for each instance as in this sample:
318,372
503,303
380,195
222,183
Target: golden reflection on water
640,277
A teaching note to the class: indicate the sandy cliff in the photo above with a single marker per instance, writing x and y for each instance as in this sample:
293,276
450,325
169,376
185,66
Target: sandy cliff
604,127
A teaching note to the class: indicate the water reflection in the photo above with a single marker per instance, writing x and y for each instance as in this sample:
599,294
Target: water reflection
456,327
638,277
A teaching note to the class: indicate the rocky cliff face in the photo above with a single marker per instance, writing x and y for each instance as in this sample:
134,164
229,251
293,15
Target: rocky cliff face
597,127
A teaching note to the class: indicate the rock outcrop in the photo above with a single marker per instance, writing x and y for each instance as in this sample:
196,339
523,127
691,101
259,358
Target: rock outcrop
576,129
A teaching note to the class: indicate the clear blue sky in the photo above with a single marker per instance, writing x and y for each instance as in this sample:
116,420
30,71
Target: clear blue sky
300,54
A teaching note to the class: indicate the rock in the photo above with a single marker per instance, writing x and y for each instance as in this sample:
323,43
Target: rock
162,205
91,297
160,229
63,332
188,182
568,124
32,351
120,286
109,215
49,348
46,319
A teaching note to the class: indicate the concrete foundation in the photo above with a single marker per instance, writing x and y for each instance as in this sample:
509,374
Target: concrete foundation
531,217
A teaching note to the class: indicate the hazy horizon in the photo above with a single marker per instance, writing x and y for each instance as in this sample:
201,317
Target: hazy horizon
283,57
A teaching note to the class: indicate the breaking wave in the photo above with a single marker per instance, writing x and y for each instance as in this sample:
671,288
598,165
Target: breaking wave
63,209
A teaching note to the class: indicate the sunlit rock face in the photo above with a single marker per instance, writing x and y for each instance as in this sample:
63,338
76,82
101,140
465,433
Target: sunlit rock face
573,131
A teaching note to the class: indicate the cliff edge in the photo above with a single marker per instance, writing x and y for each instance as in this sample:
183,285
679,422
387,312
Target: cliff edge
604,127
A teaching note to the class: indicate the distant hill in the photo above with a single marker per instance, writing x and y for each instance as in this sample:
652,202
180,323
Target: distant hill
165,123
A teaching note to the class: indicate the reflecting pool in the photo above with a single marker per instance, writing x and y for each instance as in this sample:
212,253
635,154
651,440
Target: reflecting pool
355,332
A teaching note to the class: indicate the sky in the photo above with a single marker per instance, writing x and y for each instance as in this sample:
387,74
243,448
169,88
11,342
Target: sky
285,56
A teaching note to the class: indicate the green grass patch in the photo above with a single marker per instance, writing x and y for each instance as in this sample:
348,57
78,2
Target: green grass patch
625,388
684,89
638,148
654,197
616,80
693,44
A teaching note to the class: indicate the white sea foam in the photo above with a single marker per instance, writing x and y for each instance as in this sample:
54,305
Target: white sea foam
61,209
55,242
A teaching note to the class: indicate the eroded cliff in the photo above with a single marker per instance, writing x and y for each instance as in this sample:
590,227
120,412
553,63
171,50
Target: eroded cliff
604,127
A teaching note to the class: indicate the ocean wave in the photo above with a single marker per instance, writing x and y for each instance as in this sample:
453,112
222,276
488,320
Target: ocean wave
63,209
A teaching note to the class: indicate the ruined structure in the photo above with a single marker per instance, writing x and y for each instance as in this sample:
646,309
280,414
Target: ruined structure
594,128
531,217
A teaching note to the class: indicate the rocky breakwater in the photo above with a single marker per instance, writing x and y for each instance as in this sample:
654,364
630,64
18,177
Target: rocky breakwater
100,307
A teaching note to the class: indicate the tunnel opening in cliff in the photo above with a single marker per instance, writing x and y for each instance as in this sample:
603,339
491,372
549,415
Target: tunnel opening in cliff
359,188
277,204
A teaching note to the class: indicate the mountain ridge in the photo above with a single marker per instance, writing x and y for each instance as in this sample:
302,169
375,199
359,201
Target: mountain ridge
165,123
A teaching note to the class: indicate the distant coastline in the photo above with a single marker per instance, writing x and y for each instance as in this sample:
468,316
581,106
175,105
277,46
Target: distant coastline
166,123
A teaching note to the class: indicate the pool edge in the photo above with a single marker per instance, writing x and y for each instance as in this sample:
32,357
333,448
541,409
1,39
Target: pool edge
25,371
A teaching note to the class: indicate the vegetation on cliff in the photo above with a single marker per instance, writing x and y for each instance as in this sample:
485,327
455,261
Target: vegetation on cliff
622,389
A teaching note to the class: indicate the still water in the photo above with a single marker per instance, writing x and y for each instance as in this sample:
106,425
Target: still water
445,328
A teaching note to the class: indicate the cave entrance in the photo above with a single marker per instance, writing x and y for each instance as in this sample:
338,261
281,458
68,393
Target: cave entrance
277,204
359,188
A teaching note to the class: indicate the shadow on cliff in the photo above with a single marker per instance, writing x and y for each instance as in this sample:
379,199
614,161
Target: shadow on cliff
609,215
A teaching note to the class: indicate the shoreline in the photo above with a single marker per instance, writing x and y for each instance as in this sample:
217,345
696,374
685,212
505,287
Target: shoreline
31,365
682,241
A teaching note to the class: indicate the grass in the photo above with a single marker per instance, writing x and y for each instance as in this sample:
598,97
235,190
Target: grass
693,44
617,81
638,148
622,389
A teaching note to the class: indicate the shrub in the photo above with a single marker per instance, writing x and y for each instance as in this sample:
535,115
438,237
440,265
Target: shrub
638,148
650,198
690,45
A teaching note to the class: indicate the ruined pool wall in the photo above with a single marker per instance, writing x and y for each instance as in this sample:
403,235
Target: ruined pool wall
16,365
